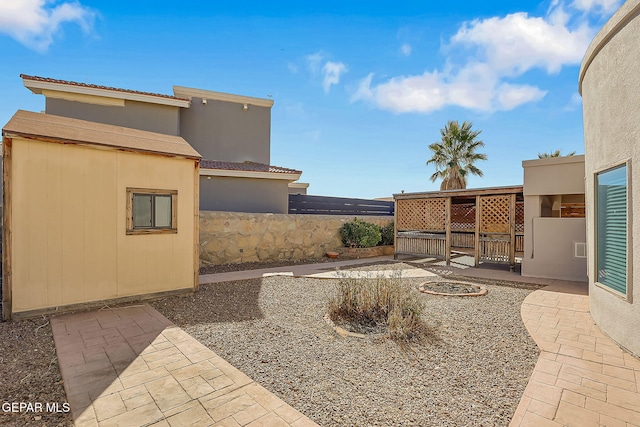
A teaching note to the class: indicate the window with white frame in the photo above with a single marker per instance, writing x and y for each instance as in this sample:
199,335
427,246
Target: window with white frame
151,211
611,228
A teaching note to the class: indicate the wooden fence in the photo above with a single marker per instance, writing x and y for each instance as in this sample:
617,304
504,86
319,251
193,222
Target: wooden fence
320,205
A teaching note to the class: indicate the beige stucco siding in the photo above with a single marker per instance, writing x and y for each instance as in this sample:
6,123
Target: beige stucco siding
549,243
610,87
69,241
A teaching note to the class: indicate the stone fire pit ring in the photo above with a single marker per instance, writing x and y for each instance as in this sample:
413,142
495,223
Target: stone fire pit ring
452,288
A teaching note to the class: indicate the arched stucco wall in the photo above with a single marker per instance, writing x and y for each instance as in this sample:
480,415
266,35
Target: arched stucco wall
610,88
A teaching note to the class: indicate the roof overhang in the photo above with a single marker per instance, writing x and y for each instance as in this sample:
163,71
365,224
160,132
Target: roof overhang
186,92
299,185
514,189
103,96
65,130
250,174
545,161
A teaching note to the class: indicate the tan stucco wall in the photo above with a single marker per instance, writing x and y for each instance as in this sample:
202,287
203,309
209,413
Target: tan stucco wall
556,175
551,250
549,243
266,237
68,225
610,87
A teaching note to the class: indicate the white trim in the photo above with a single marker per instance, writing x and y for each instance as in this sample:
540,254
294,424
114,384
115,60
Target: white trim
628,295
186,92
298,185
37,86
250,174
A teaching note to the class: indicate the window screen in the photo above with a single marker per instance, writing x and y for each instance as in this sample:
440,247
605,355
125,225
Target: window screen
611,228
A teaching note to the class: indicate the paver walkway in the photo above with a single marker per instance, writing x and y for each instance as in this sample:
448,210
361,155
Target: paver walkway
293,270
131,366
582,377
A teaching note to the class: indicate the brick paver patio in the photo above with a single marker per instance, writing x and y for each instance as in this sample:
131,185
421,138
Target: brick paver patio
582,377
131,366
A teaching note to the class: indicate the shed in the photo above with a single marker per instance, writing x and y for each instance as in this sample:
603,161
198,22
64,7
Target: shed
95,212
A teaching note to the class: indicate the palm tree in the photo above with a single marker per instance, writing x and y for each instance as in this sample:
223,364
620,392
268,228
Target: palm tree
455,154
554,154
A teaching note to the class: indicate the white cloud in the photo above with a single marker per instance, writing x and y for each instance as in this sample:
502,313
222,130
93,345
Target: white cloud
511,96
405,49
597,6
35,22
314,61
517,43
331,74
432,91
497,51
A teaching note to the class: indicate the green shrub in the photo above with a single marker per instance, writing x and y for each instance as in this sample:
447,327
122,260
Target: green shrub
360,234
387,234
379,302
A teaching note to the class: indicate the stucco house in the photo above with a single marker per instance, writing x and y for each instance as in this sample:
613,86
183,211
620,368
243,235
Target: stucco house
95,212
610,86
554,219
231,132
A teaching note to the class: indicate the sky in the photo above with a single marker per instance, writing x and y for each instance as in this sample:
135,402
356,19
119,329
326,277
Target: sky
360,88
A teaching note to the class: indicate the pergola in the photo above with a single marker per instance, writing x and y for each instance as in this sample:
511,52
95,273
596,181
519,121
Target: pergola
489,221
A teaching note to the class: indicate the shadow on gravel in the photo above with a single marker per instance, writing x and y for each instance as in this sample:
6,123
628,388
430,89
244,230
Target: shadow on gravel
215,303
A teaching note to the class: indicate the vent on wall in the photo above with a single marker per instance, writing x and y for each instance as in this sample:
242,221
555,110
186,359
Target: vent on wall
580,250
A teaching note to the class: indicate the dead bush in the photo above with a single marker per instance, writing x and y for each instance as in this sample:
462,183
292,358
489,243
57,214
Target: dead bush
379,303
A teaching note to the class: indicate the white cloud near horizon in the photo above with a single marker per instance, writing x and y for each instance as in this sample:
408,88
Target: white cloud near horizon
34,23
330,71
499,50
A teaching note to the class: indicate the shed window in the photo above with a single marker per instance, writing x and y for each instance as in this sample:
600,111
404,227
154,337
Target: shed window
611,228
151,211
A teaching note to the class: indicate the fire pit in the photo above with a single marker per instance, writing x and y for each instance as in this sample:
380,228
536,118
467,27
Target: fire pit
452,288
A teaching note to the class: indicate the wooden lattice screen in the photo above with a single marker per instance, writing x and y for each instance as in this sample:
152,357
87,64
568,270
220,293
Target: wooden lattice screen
463,216
494,214
520,217
421,214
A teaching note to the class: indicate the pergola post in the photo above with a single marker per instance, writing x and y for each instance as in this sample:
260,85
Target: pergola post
447,225
476,245
512,231
395,228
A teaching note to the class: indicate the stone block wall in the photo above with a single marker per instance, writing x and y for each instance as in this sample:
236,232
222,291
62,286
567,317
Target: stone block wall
234,237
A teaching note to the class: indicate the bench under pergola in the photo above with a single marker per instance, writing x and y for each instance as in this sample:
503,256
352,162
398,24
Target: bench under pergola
485,222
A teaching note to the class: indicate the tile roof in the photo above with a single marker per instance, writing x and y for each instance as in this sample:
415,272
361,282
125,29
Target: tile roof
92,86
246,166
48,127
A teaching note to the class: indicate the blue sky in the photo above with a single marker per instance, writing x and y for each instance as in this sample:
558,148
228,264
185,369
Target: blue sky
361,88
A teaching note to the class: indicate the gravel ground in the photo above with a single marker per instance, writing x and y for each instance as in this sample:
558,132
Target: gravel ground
471,371
29,373
225,268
